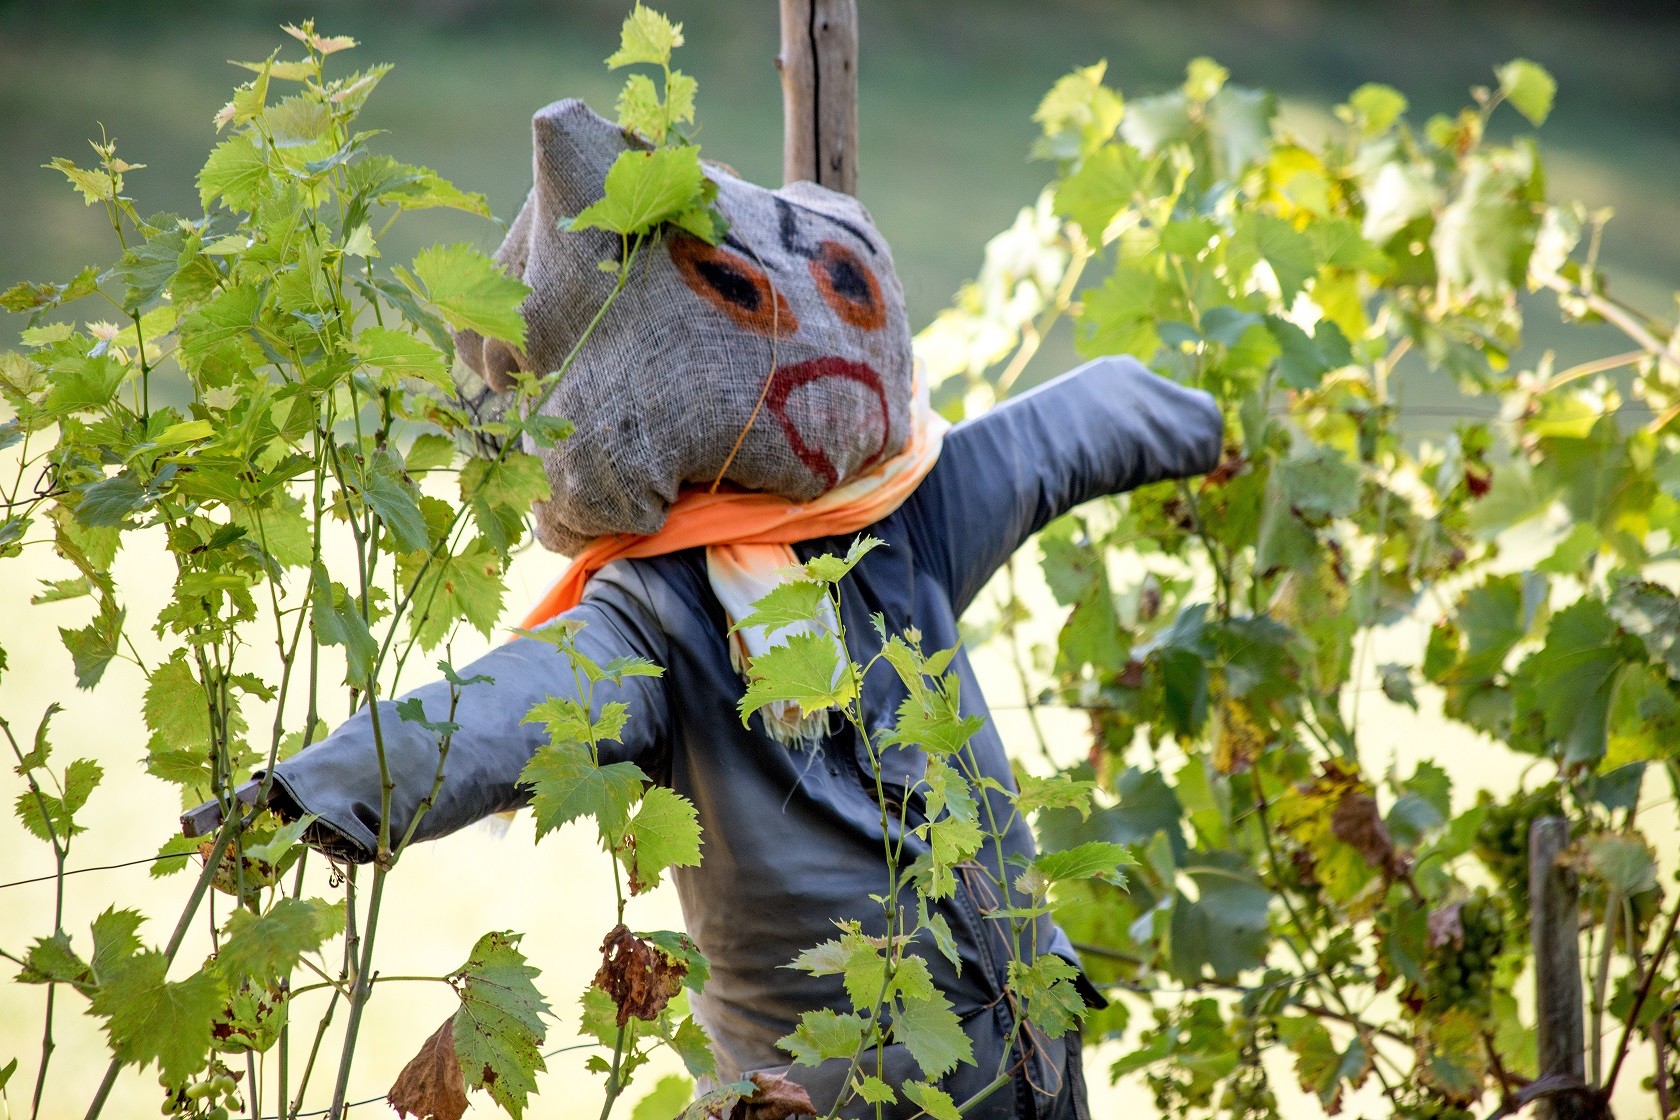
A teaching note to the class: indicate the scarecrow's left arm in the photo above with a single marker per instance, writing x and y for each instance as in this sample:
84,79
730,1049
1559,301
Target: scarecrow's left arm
1105,428
338,779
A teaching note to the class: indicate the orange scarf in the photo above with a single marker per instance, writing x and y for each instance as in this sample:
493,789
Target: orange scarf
748,538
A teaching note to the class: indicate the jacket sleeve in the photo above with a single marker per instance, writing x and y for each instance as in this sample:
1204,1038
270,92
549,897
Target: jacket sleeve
1104,428
337,779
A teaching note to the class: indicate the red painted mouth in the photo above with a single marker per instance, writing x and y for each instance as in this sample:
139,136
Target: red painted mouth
788,378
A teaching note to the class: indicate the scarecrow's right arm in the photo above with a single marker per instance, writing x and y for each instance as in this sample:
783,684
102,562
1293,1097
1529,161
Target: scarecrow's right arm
338,779
1107,427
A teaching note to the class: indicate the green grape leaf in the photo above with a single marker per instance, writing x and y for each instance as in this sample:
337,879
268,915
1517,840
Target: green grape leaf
692,1045
874,1090
1528,87
1377,107
115,939
1292,255
936,1102
833,569
1152,123
235,173
396,501
467,586
338,622
1323,1068
664,833
1305,358
566,784
425,189
470,291
668,1097
46,815
51,960
400,354
110,502
644,189
174,855
1097,859
934,723
789,602
430,451
1106,183
1626,864
1057,791
931,1031
176,707
1650,612
1224,931
501,492
825,1034
645,37
807,670
1483,236
640,110
93,185
1573,679
1320,483
680,92
41,749
1397,684
1047,989
149,1018
499,1029
265,948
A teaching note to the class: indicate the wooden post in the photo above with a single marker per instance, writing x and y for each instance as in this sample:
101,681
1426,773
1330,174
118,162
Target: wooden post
1555,918
818,64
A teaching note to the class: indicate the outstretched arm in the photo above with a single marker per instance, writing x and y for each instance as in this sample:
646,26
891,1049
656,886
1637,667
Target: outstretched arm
1104,428
338,780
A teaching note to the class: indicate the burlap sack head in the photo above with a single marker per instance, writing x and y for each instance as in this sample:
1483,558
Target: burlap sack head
803,288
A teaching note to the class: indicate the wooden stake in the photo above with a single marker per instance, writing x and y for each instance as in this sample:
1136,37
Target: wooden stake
818,65
1555,918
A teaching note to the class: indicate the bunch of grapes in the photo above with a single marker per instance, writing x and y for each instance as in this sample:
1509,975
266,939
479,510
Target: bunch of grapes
1248,1092
1502,841
1459,972
214,1096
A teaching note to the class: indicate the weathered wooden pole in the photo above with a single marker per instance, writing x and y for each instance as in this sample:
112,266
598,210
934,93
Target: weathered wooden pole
818,64
1555,919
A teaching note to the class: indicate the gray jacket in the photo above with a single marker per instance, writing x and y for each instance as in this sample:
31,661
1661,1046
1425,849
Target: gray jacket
792,839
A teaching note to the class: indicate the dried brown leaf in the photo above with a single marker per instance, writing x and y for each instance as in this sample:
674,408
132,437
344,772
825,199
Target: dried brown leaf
1357,822
776,1098
431,1086
638,976
1238,739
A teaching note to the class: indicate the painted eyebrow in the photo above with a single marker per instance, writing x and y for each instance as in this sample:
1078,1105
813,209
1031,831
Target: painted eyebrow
790,235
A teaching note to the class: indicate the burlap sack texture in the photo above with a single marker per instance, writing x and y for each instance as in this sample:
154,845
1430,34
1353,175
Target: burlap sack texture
802,287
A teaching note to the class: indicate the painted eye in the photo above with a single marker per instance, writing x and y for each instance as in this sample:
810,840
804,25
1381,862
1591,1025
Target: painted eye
734,285
849,286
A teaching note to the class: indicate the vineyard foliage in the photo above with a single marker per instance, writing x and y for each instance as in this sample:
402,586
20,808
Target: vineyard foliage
268,408
1294,888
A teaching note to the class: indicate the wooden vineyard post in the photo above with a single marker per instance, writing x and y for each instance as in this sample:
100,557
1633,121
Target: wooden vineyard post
1555,915
818,64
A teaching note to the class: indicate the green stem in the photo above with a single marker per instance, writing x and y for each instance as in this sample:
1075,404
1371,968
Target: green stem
230,829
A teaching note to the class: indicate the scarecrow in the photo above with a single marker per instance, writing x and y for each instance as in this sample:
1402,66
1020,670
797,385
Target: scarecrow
778,362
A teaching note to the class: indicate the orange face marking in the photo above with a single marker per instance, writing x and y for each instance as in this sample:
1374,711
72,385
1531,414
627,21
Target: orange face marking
734,285
849,286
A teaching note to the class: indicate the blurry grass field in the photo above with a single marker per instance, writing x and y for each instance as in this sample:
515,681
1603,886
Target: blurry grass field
947,93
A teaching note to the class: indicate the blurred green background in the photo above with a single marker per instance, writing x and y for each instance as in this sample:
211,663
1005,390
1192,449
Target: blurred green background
947,91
